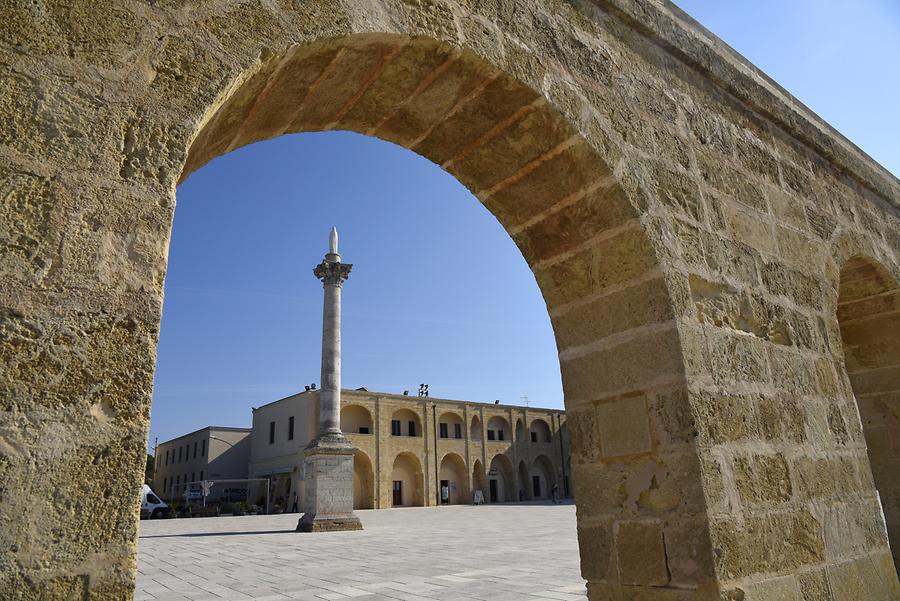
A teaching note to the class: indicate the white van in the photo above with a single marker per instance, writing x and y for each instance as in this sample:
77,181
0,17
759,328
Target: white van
152,506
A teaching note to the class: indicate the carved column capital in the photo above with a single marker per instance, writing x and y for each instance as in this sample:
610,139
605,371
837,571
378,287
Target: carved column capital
334,273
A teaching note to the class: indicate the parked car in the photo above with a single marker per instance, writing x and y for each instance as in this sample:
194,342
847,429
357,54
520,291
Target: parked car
152,506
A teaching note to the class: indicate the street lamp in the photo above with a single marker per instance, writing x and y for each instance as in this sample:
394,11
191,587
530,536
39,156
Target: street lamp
221,440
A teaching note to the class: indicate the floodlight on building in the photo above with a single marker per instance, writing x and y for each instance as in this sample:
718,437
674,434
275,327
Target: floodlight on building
497,402
313,386
307,388
405,393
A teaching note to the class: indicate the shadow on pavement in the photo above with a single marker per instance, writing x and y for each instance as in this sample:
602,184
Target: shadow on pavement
190,534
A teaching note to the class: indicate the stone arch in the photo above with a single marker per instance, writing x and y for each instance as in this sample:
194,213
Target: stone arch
524,138
540,431
868,313
363,481
356,419
475,432
524,490
410,423
498,428
520,430
543,477
501,473
451,420
582,233
453,470
407,469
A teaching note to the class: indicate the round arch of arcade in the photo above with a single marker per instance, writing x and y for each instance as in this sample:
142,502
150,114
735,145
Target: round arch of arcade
868,317
660,220
453,480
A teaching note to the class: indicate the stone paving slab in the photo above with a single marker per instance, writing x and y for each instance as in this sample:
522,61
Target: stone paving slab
515,552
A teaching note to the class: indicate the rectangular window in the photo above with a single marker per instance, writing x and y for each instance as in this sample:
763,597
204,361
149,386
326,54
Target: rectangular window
195,449
271,432
203,448
499,434
164,485
291,428
457,430
395,427
364,429
534,437
201,475
444,431
167,456
412,428
177,480
492,435
193,476
179,453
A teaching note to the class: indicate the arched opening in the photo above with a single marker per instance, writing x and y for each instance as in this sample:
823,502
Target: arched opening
356,419
405,422
540,431
577,229
475,431
501,481
520,430
498,429
450,425
363,481
524,490
543,478
407,482
869,318
453,481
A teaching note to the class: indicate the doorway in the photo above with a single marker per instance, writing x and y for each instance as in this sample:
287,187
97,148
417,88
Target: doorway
398,493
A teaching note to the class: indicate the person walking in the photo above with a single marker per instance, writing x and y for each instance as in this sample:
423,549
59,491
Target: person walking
445,495
555,495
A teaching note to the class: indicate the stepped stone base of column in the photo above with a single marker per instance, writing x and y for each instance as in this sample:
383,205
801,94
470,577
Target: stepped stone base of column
328,505
329,524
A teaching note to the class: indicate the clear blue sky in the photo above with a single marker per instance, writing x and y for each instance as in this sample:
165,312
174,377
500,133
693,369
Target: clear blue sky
439,293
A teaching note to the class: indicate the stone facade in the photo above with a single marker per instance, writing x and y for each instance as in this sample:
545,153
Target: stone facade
454,441
718,264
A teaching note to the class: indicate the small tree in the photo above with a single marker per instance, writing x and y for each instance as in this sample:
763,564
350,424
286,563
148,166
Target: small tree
148,470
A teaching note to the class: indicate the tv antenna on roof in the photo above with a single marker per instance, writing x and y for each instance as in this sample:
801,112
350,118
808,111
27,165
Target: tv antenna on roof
525,400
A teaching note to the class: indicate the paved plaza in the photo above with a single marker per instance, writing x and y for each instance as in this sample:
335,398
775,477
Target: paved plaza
489,552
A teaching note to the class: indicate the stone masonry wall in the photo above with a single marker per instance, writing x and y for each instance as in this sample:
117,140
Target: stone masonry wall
686,220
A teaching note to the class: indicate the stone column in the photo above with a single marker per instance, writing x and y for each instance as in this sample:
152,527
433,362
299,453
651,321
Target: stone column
328,460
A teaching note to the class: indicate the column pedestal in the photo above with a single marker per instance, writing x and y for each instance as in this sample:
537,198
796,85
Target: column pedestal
328,469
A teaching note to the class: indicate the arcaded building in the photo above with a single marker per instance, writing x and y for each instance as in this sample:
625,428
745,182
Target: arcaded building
409,448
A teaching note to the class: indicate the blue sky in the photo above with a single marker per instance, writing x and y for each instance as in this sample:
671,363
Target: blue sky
439,293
